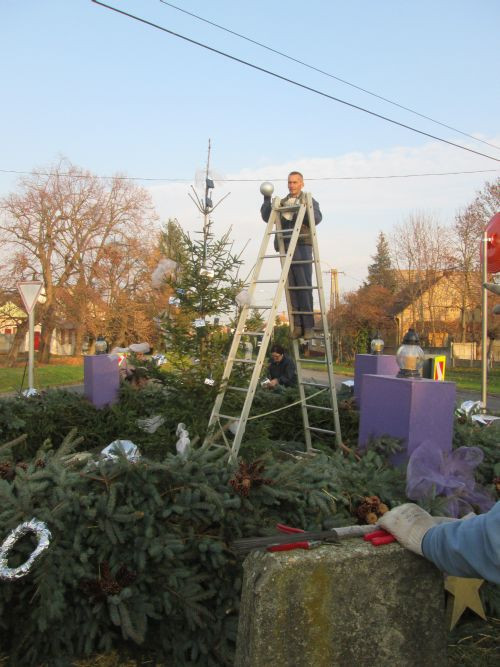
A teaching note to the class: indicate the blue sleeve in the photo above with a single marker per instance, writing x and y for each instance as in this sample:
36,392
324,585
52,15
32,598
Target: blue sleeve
469,548
265,209
317,213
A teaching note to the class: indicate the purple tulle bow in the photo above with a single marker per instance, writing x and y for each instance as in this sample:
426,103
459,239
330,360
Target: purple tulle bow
432,472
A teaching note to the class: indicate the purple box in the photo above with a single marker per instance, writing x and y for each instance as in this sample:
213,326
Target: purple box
409,408
372,364
101,379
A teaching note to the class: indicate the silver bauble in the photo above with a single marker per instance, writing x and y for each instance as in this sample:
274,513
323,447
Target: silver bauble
267,189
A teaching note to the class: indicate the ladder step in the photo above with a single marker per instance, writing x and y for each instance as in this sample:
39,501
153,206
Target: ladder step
231,388
290,207
252,333
260,282
287,232
312,361
318,407
295,288
255,307
316,384
320,430
226,416
272,256
237,360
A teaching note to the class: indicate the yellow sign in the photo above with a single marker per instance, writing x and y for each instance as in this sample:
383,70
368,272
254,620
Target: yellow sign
438,367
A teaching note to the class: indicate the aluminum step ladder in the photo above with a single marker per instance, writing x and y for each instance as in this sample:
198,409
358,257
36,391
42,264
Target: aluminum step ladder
274,228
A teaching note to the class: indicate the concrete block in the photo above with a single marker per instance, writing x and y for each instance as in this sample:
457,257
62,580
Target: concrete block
414,409
351,605
372,364
101,378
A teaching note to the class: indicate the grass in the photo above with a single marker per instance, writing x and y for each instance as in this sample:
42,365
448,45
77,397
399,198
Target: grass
52,375
46,375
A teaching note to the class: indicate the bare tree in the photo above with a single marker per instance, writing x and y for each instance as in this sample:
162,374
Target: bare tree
420,255
464,252
60,227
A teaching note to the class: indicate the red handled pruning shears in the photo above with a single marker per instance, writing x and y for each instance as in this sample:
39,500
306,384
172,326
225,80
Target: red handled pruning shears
310,544
379,537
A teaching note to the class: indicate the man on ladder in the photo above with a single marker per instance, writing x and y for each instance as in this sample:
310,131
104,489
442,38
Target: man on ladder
300,274
292,222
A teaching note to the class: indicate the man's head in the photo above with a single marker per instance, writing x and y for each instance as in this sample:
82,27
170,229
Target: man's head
277,353
295,183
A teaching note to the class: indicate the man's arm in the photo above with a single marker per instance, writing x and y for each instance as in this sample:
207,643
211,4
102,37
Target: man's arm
463,548
469,548
317,213
265,209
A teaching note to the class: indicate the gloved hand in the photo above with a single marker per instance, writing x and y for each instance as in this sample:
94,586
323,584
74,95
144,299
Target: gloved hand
408,523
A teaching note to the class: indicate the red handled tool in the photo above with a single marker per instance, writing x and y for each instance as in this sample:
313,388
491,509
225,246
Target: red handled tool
379,537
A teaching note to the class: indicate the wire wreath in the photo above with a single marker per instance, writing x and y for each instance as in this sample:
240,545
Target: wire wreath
39,528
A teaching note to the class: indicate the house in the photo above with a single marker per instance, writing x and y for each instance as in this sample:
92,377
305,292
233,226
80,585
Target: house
11,316
435,307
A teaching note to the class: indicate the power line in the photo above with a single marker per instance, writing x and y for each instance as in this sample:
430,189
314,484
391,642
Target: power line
328,74
246,180
292,81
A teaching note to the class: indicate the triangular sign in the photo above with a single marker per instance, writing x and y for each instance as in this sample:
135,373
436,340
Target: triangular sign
29,291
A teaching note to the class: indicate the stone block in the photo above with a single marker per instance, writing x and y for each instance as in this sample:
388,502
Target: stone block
372,364
352,605
101,379
414,409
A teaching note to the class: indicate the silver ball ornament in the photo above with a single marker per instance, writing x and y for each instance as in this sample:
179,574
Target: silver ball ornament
267,189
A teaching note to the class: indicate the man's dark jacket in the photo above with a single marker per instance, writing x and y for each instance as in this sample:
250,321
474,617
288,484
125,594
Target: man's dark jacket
284,371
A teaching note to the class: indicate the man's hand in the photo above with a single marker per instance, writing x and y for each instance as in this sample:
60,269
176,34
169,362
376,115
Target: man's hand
408,523
273,383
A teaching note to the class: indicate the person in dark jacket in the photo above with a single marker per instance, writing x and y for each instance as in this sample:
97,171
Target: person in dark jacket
300,274
281,370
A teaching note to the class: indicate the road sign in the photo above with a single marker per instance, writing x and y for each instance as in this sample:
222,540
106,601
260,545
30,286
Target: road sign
493,245
439,365
29,291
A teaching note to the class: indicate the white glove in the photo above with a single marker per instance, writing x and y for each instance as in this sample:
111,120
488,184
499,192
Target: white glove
408,523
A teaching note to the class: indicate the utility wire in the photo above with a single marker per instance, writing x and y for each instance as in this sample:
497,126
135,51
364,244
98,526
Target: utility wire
248,180
293,82
331,76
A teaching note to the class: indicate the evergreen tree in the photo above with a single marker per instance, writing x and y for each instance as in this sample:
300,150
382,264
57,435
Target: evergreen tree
381,271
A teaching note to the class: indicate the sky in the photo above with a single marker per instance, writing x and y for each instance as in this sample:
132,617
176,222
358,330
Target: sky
114,95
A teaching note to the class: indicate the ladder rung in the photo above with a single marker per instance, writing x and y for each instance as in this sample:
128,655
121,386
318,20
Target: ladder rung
316,384
272,256
288,233
252,333
312,361
318,407
237,360
231,388
307,287
290,207
259,282
218,414
260,307
301,261
320,430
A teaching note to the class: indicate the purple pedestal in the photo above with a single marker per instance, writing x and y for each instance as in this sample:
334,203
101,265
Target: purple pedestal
372,364
412,409
101,379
